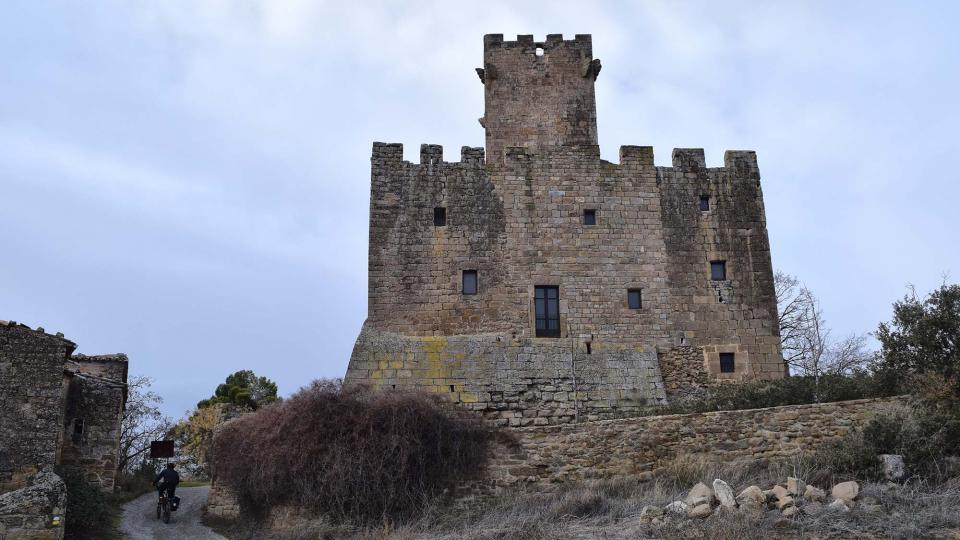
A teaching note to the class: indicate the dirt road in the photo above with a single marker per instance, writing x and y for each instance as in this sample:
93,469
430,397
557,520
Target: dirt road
140,517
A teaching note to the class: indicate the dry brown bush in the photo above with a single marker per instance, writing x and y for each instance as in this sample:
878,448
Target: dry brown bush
352,455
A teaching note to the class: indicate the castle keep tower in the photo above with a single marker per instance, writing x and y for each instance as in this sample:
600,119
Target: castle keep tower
539,284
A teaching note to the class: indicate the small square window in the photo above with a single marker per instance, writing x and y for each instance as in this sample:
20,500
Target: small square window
704,203
718,270
590,217
727,364
634,298
440,217
469,282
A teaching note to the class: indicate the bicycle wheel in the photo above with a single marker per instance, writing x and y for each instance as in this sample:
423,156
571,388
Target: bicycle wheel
166,512
159,509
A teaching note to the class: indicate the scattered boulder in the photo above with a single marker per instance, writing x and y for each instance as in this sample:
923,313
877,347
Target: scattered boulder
752,498
701,511
724,494
650,513
795,486
814,494
677,507
699,494
780,492
847,491
893,467
790,511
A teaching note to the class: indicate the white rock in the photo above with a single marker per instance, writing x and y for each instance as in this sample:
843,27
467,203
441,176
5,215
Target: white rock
649,513
753,497
699,494
893,467
789,511
785,502
795,486
814,494
838,505
847,491
676,507
701,511
724,494
780,492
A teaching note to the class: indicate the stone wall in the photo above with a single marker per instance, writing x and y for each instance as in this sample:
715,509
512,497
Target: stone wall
35,511
31,400
544,457
96,395
221,502
515,215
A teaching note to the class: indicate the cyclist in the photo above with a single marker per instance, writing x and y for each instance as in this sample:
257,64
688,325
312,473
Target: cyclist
167,481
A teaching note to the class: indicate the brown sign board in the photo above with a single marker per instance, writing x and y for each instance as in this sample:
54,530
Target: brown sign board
161,449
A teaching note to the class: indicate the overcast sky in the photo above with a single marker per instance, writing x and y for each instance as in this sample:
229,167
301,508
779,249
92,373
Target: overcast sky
188,181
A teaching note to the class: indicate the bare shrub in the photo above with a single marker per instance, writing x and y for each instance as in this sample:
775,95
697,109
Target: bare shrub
349,454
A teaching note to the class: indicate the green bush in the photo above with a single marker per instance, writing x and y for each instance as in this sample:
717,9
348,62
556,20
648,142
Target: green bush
90,511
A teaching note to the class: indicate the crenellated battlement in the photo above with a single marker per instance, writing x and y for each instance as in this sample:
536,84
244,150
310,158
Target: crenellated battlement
524,41
430,154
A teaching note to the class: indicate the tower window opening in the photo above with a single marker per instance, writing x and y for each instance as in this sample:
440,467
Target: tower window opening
718,270
634,298
539,51
590,216
589,351
704,203
547,307
727,364
439,217
469,282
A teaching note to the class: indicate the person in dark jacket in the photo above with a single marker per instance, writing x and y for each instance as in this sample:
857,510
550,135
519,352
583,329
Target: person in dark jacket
167,481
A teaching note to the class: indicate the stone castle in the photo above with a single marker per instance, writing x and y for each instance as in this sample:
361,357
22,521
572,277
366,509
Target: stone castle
540,284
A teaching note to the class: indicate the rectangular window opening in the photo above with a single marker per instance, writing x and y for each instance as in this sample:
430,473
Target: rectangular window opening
590,217
718,270
634,298
440,217
547,311
451,388
727,364
469,282
704,203
588,348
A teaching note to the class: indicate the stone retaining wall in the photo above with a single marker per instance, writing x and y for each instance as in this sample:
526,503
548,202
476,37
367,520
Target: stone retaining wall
547,456
34,512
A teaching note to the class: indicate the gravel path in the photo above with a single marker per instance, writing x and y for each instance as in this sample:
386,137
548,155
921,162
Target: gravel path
140,517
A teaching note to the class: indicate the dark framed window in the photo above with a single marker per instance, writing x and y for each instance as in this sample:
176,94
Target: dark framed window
469,282
590,217
439,217
546,303
718,270
704,203
634,298
727,364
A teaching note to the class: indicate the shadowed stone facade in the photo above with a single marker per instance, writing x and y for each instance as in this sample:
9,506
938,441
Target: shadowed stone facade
540,208
57,408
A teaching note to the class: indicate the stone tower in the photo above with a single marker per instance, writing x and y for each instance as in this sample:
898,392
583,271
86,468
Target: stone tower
538,283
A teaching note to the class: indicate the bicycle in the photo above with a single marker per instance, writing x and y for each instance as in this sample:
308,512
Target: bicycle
163,507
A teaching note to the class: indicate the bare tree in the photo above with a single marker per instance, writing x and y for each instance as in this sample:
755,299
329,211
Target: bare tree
807,344
142,422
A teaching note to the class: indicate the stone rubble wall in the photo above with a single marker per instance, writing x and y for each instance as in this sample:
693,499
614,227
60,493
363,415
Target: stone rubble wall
31,400
221,502
29,513
544,457
97,402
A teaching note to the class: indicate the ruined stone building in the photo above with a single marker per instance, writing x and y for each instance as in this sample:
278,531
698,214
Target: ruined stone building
57,408
538,283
